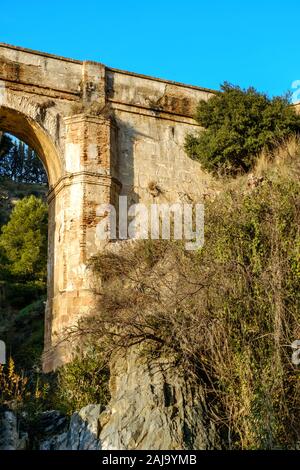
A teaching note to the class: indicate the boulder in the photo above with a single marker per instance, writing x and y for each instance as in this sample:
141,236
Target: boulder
11,438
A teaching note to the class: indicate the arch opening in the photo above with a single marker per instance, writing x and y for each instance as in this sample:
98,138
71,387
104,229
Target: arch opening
20,118
20,163
23,251
30,132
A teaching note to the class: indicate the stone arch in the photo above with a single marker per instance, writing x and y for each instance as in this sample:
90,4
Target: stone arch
32,133
22,118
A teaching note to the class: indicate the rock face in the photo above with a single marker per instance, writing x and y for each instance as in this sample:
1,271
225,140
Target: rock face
10,436
80,434
84,429
154,406
53,428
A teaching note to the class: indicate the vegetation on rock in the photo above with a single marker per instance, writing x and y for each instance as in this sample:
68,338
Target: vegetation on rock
83,381
228,312
225,314
239,124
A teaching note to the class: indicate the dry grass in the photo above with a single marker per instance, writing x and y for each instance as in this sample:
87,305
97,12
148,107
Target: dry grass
284,158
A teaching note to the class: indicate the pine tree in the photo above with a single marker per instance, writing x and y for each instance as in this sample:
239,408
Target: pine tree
24,239
19,162
6,148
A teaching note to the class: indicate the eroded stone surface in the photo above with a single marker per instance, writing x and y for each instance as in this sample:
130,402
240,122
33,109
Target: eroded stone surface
11,438
53,427
80,434
84,429
154,406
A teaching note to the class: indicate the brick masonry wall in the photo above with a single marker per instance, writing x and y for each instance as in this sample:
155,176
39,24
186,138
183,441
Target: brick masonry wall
100,132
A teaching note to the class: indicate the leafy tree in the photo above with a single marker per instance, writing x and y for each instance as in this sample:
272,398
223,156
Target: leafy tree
24,239
239,125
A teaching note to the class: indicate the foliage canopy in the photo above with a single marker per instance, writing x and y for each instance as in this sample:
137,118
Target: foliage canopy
239,125
225,314
24,239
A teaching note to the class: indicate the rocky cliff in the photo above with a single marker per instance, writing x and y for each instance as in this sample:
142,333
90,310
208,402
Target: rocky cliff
153,405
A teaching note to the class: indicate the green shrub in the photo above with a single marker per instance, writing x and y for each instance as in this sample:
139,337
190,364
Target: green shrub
226,313
79,383
83,381
23,333
239,124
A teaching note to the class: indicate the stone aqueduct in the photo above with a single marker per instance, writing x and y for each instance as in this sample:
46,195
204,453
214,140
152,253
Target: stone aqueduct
100,133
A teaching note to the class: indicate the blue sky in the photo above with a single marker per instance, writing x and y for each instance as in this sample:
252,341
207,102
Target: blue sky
197,42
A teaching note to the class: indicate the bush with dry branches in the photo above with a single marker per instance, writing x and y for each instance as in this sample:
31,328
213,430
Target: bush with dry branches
227,313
